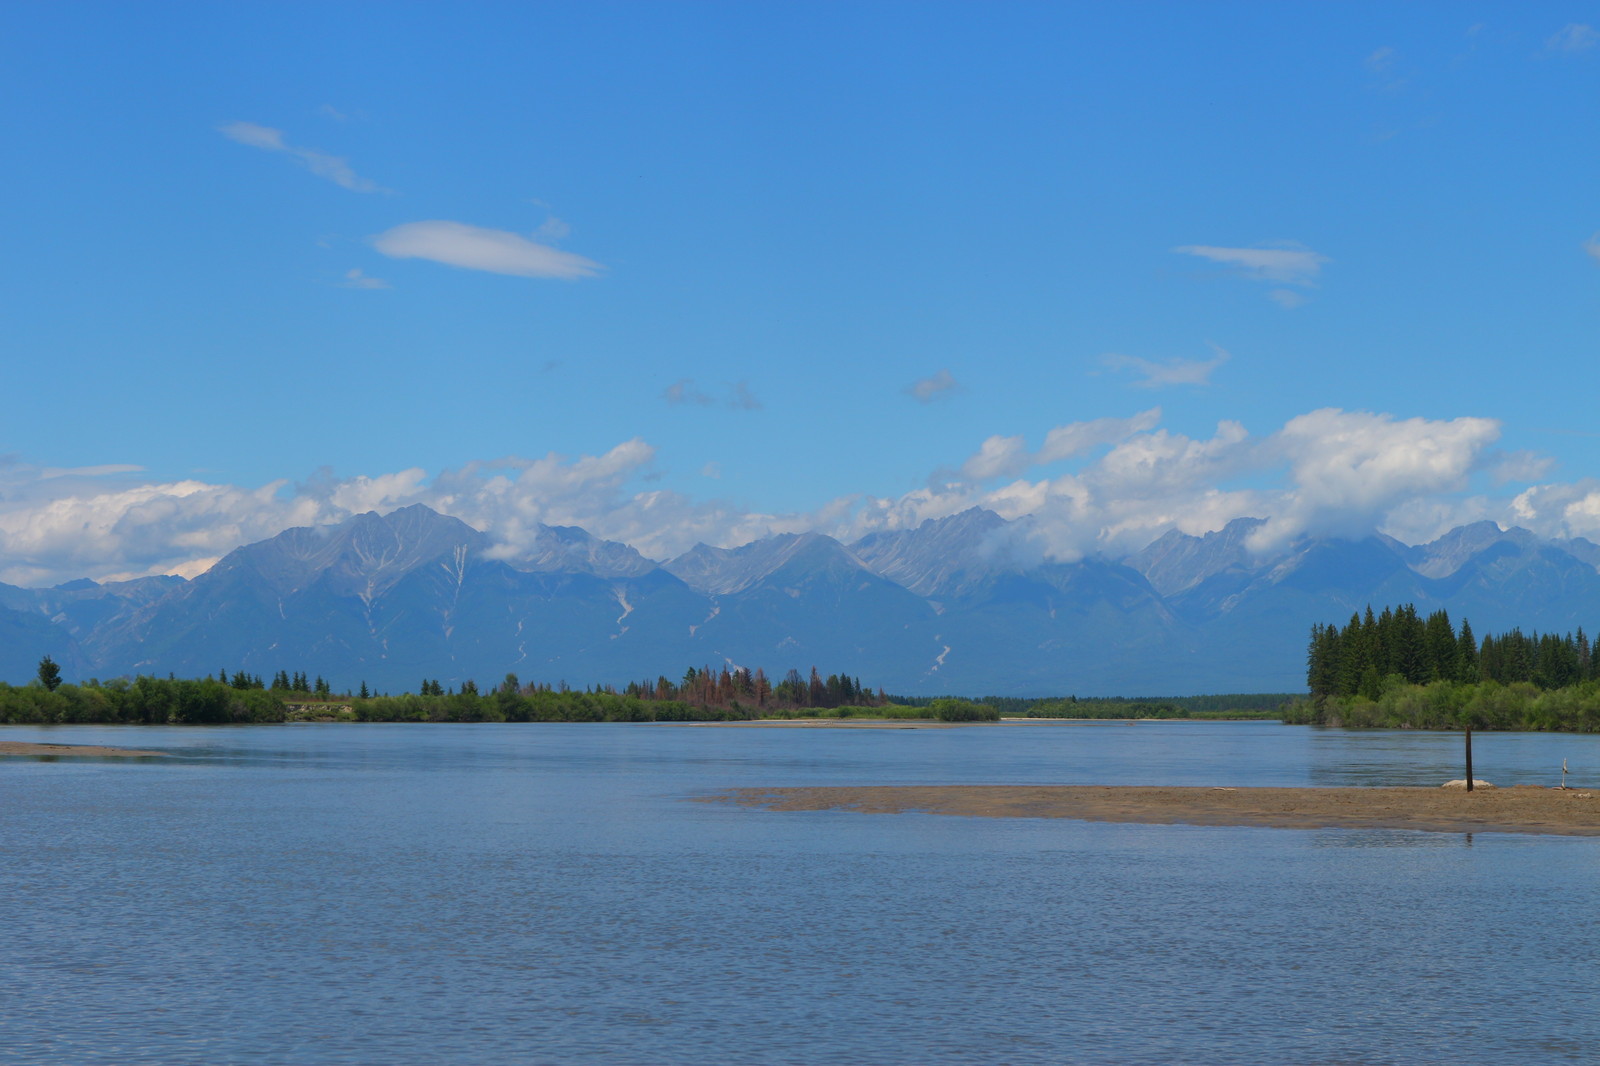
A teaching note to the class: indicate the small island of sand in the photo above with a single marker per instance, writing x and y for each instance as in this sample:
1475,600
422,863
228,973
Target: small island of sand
1571,812
19,747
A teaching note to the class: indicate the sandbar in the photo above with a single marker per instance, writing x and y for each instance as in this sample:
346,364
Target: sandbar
1569,812
828,723
19,747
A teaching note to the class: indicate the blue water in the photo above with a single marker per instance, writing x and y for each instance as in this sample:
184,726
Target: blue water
551,894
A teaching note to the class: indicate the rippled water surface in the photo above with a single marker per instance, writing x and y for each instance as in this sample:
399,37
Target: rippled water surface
551,894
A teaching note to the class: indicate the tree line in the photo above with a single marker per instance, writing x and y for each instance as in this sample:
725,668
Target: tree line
724,688
239,697
1356,660
1400,670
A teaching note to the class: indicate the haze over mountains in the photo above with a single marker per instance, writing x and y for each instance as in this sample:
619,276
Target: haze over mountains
956,605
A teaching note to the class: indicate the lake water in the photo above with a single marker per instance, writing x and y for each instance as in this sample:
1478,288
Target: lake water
550,894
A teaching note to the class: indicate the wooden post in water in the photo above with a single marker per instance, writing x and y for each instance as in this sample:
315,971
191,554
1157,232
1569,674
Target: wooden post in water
1469,758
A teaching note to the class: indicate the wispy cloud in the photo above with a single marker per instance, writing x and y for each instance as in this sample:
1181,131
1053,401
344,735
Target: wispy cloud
743,399
1154,375
552,230
1279,264
1592,246
476,248
323,165
683,391
1076,438
355,278
1573,37
1006,457
1381,64
1521,466
928,389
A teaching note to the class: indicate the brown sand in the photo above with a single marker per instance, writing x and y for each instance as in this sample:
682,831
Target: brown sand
17,747
826,723
1572,812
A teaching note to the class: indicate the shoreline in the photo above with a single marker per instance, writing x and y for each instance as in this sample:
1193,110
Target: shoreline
1524,809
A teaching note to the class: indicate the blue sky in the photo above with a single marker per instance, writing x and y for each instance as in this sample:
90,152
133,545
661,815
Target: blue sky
703,271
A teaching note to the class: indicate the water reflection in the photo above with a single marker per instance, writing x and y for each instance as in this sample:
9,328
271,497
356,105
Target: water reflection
1415,839
468,894
1414,758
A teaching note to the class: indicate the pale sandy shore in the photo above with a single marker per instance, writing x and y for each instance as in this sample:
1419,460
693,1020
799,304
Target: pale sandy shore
1573,812
895,723
17,747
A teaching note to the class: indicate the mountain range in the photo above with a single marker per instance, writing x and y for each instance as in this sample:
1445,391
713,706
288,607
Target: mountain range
956,605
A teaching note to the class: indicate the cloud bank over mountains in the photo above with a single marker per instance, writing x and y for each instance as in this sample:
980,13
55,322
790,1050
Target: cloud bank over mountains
1106,486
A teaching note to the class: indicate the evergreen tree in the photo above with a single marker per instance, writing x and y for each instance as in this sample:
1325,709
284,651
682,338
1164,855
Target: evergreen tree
1354,655
1466,655
1409,655
1440,647
1322,661
49,674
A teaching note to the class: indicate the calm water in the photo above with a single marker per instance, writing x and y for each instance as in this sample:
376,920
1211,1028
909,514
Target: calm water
548,894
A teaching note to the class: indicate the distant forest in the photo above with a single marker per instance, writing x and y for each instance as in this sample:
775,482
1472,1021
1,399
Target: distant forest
1398,670
1246,705
240,697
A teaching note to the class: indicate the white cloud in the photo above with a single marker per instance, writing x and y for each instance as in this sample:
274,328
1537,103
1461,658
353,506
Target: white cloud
323,165
1154,375
1592,246
1336,472
1573,37
1350,468
357,279
476,248
1570,510
1328,472
928,389
997,457
1287,264
101,522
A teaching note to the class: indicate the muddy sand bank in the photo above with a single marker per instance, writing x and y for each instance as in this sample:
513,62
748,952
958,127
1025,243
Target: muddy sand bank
17,747
1572,812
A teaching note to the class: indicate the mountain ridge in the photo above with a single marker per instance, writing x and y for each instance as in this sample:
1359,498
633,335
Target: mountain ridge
955,604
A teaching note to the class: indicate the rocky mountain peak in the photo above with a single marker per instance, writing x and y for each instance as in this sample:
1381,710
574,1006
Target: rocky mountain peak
1177,561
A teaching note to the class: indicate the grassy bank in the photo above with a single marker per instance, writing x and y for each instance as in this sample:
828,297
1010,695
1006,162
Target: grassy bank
1518,707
